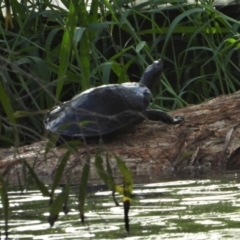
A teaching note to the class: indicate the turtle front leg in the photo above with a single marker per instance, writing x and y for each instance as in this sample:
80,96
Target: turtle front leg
158,115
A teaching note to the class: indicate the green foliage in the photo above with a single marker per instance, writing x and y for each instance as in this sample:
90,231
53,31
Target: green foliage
104,175
127,178
39,183
83,187
127,192
59,171
4,202
108,179
58,203
51,52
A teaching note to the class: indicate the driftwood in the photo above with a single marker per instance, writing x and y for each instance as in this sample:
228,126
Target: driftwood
208,139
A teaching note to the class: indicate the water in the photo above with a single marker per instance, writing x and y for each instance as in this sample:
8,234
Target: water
179,209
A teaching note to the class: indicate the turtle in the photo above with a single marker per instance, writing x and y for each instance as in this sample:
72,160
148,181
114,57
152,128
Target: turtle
106,109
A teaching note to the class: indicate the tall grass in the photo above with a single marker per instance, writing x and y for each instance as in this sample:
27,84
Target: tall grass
56,51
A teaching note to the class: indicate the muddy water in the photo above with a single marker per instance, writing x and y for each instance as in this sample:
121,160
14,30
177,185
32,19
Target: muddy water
173,209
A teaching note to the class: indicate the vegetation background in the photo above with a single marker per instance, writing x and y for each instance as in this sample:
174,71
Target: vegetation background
52,50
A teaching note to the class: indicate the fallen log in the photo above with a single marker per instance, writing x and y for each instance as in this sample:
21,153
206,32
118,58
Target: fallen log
208,139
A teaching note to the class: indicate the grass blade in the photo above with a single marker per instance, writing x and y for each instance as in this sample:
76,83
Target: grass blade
5,203
127,178
83,187
39,183
57,204
127,186
59,171
66,47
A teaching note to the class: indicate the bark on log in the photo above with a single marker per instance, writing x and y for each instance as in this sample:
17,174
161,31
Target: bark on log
208,139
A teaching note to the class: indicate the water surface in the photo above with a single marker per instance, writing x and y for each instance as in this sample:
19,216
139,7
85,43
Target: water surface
171,209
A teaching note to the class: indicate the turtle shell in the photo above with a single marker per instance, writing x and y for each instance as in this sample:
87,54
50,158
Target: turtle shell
100,110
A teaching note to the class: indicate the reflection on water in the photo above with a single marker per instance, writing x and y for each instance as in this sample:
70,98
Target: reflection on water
180,209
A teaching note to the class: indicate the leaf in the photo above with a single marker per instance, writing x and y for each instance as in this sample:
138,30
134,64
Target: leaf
21,114
66,190
231,40
59,171
177,20
127,178
111,181
51,143
105,176
66,46
84,46
126,207
78,34
39,183
106,73
140,46
6,103
83,187
5,201
100,169
8,17
127,186
57,204
93,17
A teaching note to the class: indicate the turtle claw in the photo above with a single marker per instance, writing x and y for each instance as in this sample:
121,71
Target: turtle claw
178,119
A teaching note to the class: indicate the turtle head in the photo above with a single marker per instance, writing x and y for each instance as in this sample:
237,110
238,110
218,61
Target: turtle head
152,75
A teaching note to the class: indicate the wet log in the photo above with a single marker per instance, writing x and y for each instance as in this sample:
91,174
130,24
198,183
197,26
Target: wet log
208,139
